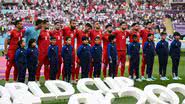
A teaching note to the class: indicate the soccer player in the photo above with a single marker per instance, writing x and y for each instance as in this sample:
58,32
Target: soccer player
149,54
67,50
96,52
144,35
70,31
175,49
134,57
21,62
105,39
57,33
84,55
135,31
12,40
43,44
79,35
162,52
93,34
112,55
53,58
121,36
32,59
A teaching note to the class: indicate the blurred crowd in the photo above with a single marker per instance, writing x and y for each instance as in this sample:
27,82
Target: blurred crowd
105,11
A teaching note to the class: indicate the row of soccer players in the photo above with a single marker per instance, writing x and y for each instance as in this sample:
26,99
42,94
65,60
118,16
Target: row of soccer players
42,35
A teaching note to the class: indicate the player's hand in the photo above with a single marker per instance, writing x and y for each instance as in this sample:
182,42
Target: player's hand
129,57
110,61
5,51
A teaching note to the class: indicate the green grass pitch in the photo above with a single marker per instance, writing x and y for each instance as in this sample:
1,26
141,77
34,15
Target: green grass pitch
141,85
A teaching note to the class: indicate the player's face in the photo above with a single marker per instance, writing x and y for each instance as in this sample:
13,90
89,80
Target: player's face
23,44
68,41
87,28
163,37
109,29
85,42
135,39
73,24
53,41
177,37
149,26
33,44
44,25
20,25
57,26
124,26
97,41
150,38
97,25
136,27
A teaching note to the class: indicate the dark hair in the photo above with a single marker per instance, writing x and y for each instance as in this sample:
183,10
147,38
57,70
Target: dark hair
134,24
121,23
39,21
176,34
16,22
108,25
19,43
150,34
163,33
52,38
72,19
97,38
67,38
44,21
148,22
134,36
88,25
31,42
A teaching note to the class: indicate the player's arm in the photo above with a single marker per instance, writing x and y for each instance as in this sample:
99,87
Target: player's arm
108,52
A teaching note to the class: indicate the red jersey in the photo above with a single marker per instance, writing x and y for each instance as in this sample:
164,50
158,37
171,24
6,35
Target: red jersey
43,42
93,34
68,32
131,36
58,35
121,39
105,39
15,37
144,35
79,36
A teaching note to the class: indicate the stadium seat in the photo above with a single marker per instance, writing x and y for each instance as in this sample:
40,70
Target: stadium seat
134,92
35,89
20,94
124,82
4,96
54,86
151,90
82,86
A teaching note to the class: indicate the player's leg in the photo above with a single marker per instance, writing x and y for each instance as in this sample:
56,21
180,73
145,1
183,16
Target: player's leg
40,63
123,60
143,65
46,68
